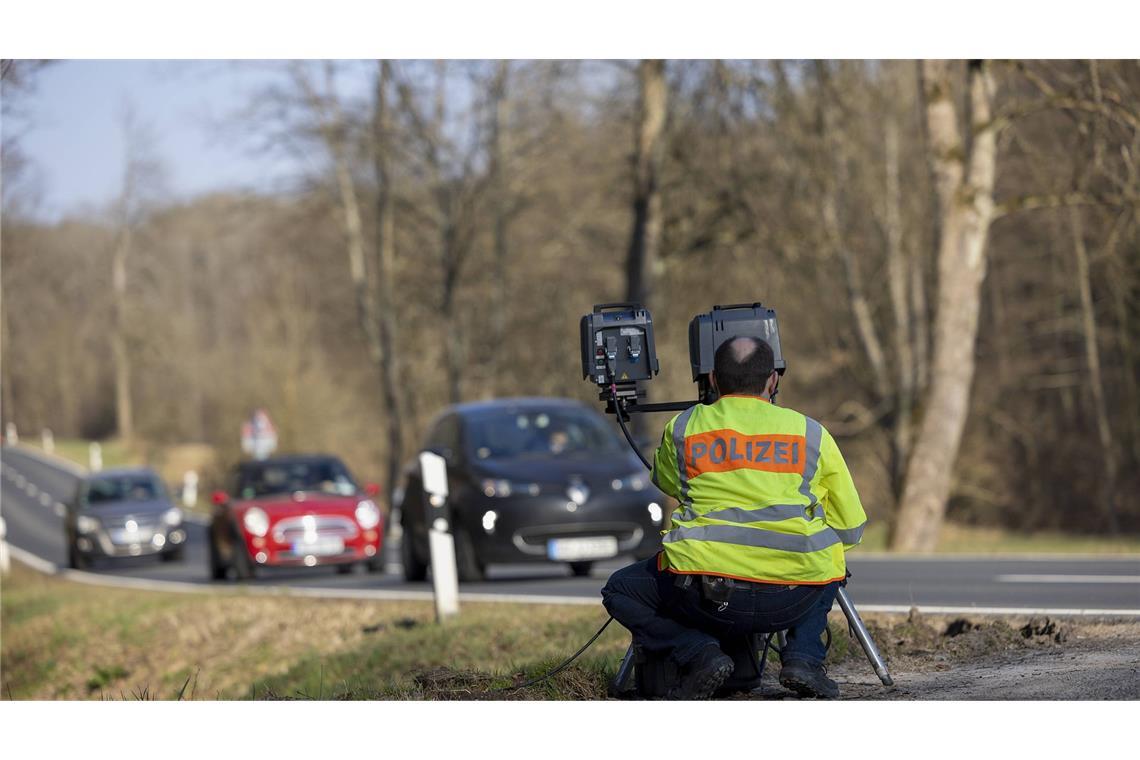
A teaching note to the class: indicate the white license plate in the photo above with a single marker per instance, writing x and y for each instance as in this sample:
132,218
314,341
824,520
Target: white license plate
321,547
574,549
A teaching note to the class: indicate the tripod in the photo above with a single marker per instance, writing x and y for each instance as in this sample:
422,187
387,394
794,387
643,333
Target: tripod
655,684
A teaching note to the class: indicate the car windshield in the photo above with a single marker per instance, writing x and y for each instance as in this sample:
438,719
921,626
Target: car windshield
324,475
510,433
124,488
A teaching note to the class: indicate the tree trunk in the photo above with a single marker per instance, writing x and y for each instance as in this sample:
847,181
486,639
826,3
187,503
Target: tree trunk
964,183
124,415
1096,381
386,273
499,199
900,308
645,236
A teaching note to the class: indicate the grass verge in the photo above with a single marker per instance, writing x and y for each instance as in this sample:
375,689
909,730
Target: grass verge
62,640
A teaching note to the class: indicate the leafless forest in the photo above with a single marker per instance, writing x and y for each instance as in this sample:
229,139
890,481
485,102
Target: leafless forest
953,249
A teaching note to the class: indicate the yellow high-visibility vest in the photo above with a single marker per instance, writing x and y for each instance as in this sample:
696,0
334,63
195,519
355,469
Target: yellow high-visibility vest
764,494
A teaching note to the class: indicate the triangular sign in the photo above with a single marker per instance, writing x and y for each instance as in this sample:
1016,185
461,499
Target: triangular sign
624,375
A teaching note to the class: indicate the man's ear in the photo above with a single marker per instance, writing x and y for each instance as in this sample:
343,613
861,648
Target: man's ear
773,382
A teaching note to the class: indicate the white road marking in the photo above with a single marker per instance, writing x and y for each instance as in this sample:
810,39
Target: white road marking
1067,578
45,499
932,610
32,490
21,481
60,508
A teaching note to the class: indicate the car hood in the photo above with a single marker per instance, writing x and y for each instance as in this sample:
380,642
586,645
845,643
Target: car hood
304,503
590,469
151,508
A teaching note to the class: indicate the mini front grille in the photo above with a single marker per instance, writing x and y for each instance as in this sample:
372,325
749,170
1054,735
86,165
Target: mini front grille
294,529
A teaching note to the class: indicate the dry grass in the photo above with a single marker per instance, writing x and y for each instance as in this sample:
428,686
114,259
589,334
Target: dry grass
68,641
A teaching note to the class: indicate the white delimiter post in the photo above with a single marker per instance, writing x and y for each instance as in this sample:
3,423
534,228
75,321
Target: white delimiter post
94,457
190,489
444,577
48,441
10,434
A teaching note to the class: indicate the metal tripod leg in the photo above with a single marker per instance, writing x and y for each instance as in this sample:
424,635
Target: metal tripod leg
864,637
621,683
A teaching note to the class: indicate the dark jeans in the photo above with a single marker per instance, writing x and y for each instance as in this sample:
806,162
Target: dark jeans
666,618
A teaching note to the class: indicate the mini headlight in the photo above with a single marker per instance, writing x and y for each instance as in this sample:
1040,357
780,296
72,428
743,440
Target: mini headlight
256,521
367,514
87,524
635,482
172,517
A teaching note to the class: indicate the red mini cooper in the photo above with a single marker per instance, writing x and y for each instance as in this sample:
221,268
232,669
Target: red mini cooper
294,511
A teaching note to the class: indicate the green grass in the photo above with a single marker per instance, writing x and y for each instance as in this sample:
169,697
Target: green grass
62,640
962,539
115,453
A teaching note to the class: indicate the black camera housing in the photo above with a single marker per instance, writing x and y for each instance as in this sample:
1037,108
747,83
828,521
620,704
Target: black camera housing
708,331
618,348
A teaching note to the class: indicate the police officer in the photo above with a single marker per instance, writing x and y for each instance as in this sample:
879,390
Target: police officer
767,510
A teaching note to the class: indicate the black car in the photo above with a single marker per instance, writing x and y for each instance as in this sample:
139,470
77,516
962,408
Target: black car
122,513
538,479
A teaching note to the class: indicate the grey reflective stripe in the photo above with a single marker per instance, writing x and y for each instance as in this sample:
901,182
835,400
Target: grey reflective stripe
850,535
765,539
771,513
679,426
814,436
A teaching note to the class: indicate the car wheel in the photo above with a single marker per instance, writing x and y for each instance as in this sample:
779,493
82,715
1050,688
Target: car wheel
581,569
414,570
76,560
376,564
243,565
175,555
218,568
345,569
467,563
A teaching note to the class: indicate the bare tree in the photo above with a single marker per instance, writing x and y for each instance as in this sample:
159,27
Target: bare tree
141,179
382,149
649,130
964,175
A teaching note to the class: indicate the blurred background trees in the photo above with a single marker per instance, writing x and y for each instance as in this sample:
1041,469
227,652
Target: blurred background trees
952,248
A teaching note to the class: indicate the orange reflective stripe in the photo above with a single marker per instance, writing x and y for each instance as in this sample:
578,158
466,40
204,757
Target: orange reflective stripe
727,450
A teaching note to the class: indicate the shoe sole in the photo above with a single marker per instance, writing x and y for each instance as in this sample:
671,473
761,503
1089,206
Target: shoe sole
804,689
712,681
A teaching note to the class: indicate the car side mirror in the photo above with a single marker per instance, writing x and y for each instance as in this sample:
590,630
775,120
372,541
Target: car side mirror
372,489
219,498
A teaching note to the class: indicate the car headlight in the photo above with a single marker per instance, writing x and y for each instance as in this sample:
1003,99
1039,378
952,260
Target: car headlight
655,513
638,481
86,524
256,521
172,517
502,488
367,514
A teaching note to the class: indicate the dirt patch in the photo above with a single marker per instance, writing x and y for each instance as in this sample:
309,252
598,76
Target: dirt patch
988,659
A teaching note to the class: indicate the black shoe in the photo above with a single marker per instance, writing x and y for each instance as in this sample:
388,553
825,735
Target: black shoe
808,680
704,675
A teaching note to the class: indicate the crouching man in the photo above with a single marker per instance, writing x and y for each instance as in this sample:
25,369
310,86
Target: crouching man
757,544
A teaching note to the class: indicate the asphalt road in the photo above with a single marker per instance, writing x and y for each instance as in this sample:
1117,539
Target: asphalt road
32,487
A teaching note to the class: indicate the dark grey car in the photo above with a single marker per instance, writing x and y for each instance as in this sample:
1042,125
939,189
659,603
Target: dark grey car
122,513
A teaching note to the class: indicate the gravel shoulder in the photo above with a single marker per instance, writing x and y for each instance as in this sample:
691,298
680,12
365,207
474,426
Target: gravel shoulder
944,658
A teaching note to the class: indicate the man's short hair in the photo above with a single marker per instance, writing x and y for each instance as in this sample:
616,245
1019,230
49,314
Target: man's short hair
743,365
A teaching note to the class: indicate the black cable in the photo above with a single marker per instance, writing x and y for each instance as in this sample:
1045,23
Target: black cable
561,667
619,408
